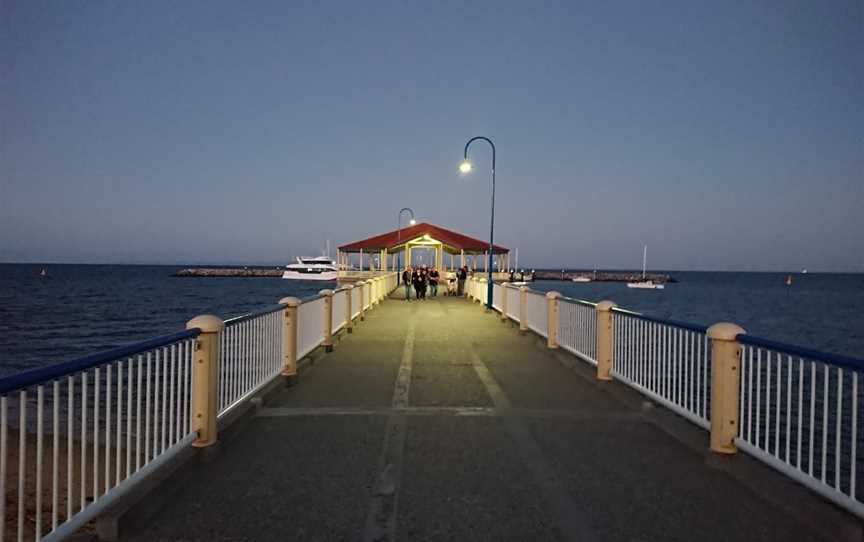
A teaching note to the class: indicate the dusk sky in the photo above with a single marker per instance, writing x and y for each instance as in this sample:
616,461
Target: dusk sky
726,136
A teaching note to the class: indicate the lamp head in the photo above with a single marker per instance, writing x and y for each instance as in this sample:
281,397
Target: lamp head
465,166
412,221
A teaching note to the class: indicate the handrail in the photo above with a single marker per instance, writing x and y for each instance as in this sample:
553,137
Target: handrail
310,298
684,325
577,301
43,374
814,355
251,315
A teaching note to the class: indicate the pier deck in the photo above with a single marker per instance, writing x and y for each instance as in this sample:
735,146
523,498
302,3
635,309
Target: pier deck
436,421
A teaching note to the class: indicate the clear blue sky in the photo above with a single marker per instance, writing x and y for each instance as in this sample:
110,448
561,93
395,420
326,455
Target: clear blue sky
724,135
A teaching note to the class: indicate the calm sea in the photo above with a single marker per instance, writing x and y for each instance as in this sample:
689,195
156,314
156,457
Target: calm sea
86,308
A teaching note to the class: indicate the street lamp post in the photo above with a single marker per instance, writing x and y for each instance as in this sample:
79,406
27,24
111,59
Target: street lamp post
466,167
399,230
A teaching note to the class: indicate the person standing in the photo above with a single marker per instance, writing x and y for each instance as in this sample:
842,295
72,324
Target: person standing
406,280
433,281
461,275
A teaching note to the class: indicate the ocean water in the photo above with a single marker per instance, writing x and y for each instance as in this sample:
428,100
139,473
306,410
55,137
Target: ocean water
83,309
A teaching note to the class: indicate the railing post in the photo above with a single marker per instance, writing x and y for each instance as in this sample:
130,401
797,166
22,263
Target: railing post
362,285
205,375
523,309
289,338
504,301
349,322
328,320
605,336
481,286
725,379
552,319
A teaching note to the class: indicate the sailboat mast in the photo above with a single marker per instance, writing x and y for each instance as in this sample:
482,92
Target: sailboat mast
644,259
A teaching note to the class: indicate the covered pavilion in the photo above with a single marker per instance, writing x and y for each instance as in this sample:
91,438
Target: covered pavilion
386,248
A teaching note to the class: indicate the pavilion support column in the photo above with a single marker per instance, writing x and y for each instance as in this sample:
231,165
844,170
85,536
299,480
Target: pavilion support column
462,256
361,259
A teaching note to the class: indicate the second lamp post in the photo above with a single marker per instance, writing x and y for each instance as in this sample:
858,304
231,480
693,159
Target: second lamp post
466,167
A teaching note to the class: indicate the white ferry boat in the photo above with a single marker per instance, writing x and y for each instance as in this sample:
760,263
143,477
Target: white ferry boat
317,268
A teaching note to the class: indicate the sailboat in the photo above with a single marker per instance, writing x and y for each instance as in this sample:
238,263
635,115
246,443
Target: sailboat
645,283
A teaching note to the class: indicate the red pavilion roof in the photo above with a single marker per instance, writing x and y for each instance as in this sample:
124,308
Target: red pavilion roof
453,241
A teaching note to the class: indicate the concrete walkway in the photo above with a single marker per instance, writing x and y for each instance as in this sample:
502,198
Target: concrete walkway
436,421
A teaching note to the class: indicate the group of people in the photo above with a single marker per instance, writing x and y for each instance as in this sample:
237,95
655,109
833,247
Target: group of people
423,278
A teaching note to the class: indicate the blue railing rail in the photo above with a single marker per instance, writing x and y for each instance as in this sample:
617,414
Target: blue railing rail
698,328
577,301
806,353
66,368
252,315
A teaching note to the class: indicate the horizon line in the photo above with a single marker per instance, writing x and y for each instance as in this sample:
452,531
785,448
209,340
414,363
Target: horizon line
546,268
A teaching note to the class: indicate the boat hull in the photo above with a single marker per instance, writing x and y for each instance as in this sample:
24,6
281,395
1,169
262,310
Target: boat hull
323,276
645,285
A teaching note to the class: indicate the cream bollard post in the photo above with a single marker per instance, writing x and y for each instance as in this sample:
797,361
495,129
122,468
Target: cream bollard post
725,379
328,320
349,322
605,336
289,338
205,375
504,301
523,309
552,319
362,285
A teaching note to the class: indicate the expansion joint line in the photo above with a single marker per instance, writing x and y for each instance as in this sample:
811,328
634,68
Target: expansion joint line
572,520
381,519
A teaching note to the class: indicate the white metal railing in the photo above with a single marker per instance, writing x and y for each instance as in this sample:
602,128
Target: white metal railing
310,325
74,435
497,292
669,363
536,314
799,413
340,303
251,356
356,294
577,328
512,303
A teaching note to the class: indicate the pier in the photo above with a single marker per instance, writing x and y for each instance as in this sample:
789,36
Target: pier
355,415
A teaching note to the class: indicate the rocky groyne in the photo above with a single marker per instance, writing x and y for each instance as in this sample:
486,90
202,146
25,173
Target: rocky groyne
603,276
240,272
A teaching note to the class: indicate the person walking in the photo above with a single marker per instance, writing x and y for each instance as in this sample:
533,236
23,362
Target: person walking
422,282
415,280
406,280
433,281
461,275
